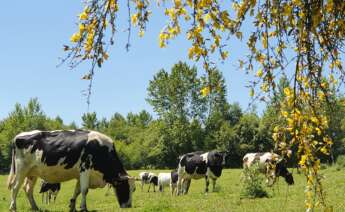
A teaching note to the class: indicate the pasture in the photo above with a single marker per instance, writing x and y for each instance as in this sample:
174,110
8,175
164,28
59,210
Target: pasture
226,198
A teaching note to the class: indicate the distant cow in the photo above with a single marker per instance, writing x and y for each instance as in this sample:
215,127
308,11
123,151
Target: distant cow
148,178
270,164
49,191
197,165
168,179
57,156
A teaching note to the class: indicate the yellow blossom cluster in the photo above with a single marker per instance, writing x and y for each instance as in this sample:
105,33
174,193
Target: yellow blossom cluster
304,127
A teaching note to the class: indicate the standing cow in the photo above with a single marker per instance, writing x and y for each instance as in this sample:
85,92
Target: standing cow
270,164
49,191
168,179
57,156
196,165
148,178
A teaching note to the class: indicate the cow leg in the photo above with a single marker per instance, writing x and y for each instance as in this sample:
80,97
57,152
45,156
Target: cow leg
149,187
187,185
213,184
17,183
179,186
84,187
142,185
75,196
49,197
29,190
207,183
55,195
172,188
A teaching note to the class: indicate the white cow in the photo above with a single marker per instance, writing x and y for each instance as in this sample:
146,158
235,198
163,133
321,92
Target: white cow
168,179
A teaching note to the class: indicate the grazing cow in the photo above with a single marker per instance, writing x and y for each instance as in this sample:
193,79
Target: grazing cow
165,179
49,191
57,156
148,178
270,164
197,165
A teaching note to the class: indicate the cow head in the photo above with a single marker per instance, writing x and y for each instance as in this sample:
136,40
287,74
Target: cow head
124,186
281,170
224,154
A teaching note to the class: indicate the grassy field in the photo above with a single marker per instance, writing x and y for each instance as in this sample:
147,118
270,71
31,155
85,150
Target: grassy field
227,197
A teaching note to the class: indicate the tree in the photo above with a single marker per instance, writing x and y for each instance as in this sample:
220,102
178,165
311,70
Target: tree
235,113
117,127
90,121
21,119
142,119
308,34
177,95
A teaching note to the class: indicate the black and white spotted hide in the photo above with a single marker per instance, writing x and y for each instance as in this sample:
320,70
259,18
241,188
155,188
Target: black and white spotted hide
199,165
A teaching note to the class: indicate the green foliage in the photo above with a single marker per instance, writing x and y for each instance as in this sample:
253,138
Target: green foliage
176,95
252,183
340,164
23,118
90,121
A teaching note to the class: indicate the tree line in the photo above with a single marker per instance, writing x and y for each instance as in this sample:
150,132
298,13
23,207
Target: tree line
192,114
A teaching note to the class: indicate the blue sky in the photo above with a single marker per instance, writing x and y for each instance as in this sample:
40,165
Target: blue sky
32,36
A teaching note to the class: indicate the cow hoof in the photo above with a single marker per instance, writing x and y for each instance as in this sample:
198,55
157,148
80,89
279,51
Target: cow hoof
35,209
13,208
83,210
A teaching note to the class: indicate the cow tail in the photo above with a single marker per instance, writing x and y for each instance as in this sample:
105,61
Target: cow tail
12,174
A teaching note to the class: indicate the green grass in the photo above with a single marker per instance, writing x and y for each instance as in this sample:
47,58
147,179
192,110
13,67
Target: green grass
227,198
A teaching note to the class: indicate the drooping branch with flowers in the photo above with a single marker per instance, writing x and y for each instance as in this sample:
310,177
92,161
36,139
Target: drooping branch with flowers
300,39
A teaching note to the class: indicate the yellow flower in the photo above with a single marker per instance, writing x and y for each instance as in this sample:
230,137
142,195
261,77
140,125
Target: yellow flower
81,28
318,131
75,37
303,160
83,15
134,19
205,91
141,33
224,54
177,3
207,17
259,73
287,91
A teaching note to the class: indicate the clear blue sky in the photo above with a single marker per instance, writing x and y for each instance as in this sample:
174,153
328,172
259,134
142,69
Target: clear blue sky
32,36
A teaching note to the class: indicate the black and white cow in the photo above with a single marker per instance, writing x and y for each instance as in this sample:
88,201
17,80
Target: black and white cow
270,164
148,178
198,165
49,191
57,156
